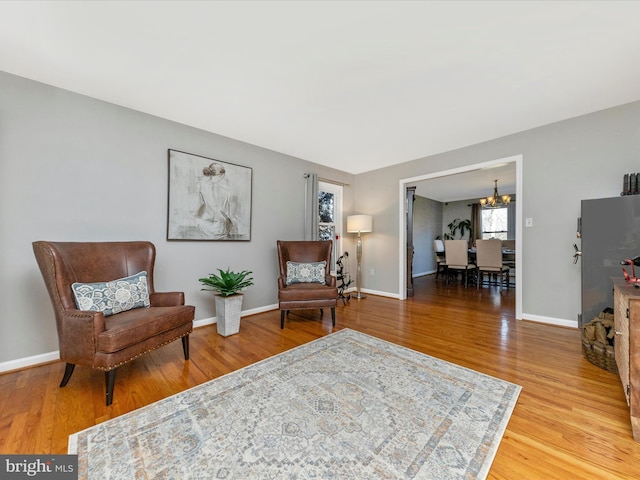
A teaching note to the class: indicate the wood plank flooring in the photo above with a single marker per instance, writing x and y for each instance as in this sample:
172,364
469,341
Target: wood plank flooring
571,420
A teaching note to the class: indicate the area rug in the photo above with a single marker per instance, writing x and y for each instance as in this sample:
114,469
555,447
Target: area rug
345,406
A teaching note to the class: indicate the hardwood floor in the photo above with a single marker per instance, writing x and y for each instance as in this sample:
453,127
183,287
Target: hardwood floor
571,420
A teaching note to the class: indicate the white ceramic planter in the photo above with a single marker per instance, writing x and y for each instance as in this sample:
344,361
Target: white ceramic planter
228,311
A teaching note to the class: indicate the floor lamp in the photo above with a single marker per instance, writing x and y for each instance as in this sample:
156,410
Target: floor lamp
359,224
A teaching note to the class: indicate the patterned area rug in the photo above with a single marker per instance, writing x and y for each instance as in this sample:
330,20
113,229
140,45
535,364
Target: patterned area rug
345,406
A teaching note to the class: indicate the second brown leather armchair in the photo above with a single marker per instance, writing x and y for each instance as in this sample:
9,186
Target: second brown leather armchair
306,294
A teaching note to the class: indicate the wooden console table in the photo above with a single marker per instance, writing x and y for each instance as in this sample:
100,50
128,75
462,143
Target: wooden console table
626,299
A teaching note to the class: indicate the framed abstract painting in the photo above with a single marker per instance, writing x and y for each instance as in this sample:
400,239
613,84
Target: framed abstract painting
208,199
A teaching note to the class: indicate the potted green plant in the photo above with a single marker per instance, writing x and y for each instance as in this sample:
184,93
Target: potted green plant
456,225
227,287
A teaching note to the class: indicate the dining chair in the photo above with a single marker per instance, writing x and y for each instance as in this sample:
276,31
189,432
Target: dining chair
509,244
457,258
509,259
489,260
441,262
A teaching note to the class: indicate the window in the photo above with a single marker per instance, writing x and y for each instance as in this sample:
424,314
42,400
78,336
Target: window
495,223
330,217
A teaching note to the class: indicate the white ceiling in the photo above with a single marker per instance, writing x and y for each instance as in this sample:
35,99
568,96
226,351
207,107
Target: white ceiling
471,185
355,85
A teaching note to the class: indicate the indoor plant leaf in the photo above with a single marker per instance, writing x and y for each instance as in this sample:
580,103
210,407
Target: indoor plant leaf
227,283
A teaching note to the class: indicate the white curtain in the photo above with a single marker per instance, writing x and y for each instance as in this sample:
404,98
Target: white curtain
311,206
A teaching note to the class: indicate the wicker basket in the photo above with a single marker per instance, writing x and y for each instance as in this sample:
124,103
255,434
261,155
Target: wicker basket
600,355
598,337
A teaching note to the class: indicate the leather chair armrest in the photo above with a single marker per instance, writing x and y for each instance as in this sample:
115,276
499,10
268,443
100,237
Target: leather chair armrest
79,334
330,280
282,282
166,299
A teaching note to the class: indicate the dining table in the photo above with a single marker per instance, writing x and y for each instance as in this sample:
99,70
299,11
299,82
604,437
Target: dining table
506,253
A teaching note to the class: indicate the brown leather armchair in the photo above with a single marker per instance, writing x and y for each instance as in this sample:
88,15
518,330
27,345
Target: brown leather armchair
105,342
307,294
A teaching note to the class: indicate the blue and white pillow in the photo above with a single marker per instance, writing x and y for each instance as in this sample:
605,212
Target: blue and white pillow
306,272
113,297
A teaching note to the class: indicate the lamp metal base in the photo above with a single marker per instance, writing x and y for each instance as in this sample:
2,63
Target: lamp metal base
358,296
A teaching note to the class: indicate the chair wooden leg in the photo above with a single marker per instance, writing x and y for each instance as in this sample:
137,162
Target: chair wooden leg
333,316
321,313
110,381
68,371
281,319
185,346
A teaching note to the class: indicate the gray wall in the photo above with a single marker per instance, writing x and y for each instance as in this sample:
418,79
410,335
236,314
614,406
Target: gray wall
452,210
563,163
74,168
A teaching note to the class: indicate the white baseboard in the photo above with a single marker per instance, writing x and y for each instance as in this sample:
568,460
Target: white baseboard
212,320
204,322
377,292
266,308
422,274
550,320
29,361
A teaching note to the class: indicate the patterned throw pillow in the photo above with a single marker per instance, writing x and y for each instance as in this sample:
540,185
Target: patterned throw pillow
306,272
113,297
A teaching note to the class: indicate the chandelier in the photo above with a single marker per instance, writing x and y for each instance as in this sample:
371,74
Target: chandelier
495,200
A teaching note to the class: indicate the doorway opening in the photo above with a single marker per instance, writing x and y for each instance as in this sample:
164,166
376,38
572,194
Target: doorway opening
402,228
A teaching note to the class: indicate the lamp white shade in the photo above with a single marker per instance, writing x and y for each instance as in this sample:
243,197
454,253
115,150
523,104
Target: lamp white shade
359,223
